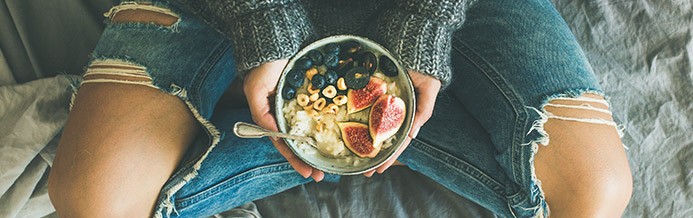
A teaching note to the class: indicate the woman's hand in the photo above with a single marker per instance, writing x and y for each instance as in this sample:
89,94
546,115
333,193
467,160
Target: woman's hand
426,89
260,83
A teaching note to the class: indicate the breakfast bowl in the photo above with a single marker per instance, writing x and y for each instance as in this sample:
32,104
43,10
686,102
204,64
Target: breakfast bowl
350,95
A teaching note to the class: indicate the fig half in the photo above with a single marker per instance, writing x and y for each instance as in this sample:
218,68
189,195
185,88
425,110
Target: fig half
357,138
359,99
386,117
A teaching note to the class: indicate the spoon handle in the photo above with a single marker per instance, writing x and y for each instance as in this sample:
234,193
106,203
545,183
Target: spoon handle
247,130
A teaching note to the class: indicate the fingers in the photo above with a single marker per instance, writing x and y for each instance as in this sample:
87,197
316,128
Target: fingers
258,87
426,93
301,167
369,173
392,160
424,107
426,88
264,118
317,175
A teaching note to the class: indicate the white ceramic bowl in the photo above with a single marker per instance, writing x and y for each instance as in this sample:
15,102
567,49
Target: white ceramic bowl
331,165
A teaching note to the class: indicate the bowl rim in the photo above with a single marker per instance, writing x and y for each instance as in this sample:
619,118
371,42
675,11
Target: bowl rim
410,112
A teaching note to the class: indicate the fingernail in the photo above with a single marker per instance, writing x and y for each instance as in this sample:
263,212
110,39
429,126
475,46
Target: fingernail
415,132
274,138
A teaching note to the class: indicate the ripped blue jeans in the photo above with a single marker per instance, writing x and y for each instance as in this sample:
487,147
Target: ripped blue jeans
509,60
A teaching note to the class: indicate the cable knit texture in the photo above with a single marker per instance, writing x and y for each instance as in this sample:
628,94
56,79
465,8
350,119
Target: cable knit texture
417,32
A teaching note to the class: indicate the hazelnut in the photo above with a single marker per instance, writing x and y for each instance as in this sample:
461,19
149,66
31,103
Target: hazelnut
331,109
340,100
302,99
341,84
311,72
312,90
329,91
312,112
319,104
314,96
319,127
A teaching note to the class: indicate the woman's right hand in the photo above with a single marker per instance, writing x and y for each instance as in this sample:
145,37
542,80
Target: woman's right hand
259,85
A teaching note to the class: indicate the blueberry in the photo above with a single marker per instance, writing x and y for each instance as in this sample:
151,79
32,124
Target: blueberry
288,92
331,77
315,56
318,81
331,49
295,78
387,66
331,61
357,78
303,64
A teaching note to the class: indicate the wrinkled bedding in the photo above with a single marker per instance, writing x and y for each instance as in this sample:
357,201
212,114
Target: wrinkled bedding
640,51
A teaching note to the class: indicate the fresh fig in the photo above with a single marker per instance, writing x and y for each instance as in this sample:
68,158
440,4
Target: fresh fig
359,99
357,138
386,117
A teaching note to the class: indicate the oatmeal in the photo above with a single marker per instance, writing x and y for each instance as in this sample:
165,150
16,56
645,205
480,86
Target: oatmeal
330,95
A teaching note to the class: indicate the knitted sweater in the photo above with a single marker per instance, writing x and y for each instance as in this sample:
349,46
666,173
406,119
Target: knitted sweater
417,32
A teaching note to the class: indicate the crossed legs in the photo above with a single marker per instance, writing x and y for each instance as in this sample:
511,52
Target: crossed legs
122,142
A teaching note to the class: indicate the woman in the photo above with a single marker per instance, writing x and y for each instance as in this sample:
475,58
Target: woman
143,138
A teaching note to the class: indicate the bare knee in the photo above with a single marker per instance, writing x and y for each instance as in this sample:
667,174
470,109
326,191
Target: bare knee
605,195
583,169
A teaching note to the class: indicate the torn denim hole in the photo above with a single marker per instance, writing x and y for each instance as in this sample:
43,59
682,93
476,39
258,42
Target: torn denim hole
586,103
143,13
117,71
579,102
114,71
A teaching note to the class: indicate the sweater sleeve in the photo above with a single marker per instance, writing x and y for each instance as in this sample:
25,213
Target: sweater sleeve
419,32
261,31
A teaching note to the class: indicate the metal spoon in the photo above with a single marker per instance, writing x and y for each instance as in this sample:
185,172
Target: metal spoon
247,130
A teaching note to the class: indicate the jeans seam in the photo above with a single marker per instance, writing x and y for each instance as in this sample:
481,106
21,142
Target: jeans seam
206,67
229,182
459,164
510,95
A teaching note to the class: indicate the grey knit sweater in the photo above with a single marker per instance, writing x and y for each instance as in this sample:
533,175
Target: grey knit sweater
418,32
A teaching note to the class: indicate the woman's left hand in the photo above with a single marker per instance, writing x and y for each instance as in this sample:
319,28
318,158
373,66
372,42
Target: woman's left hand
426,88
